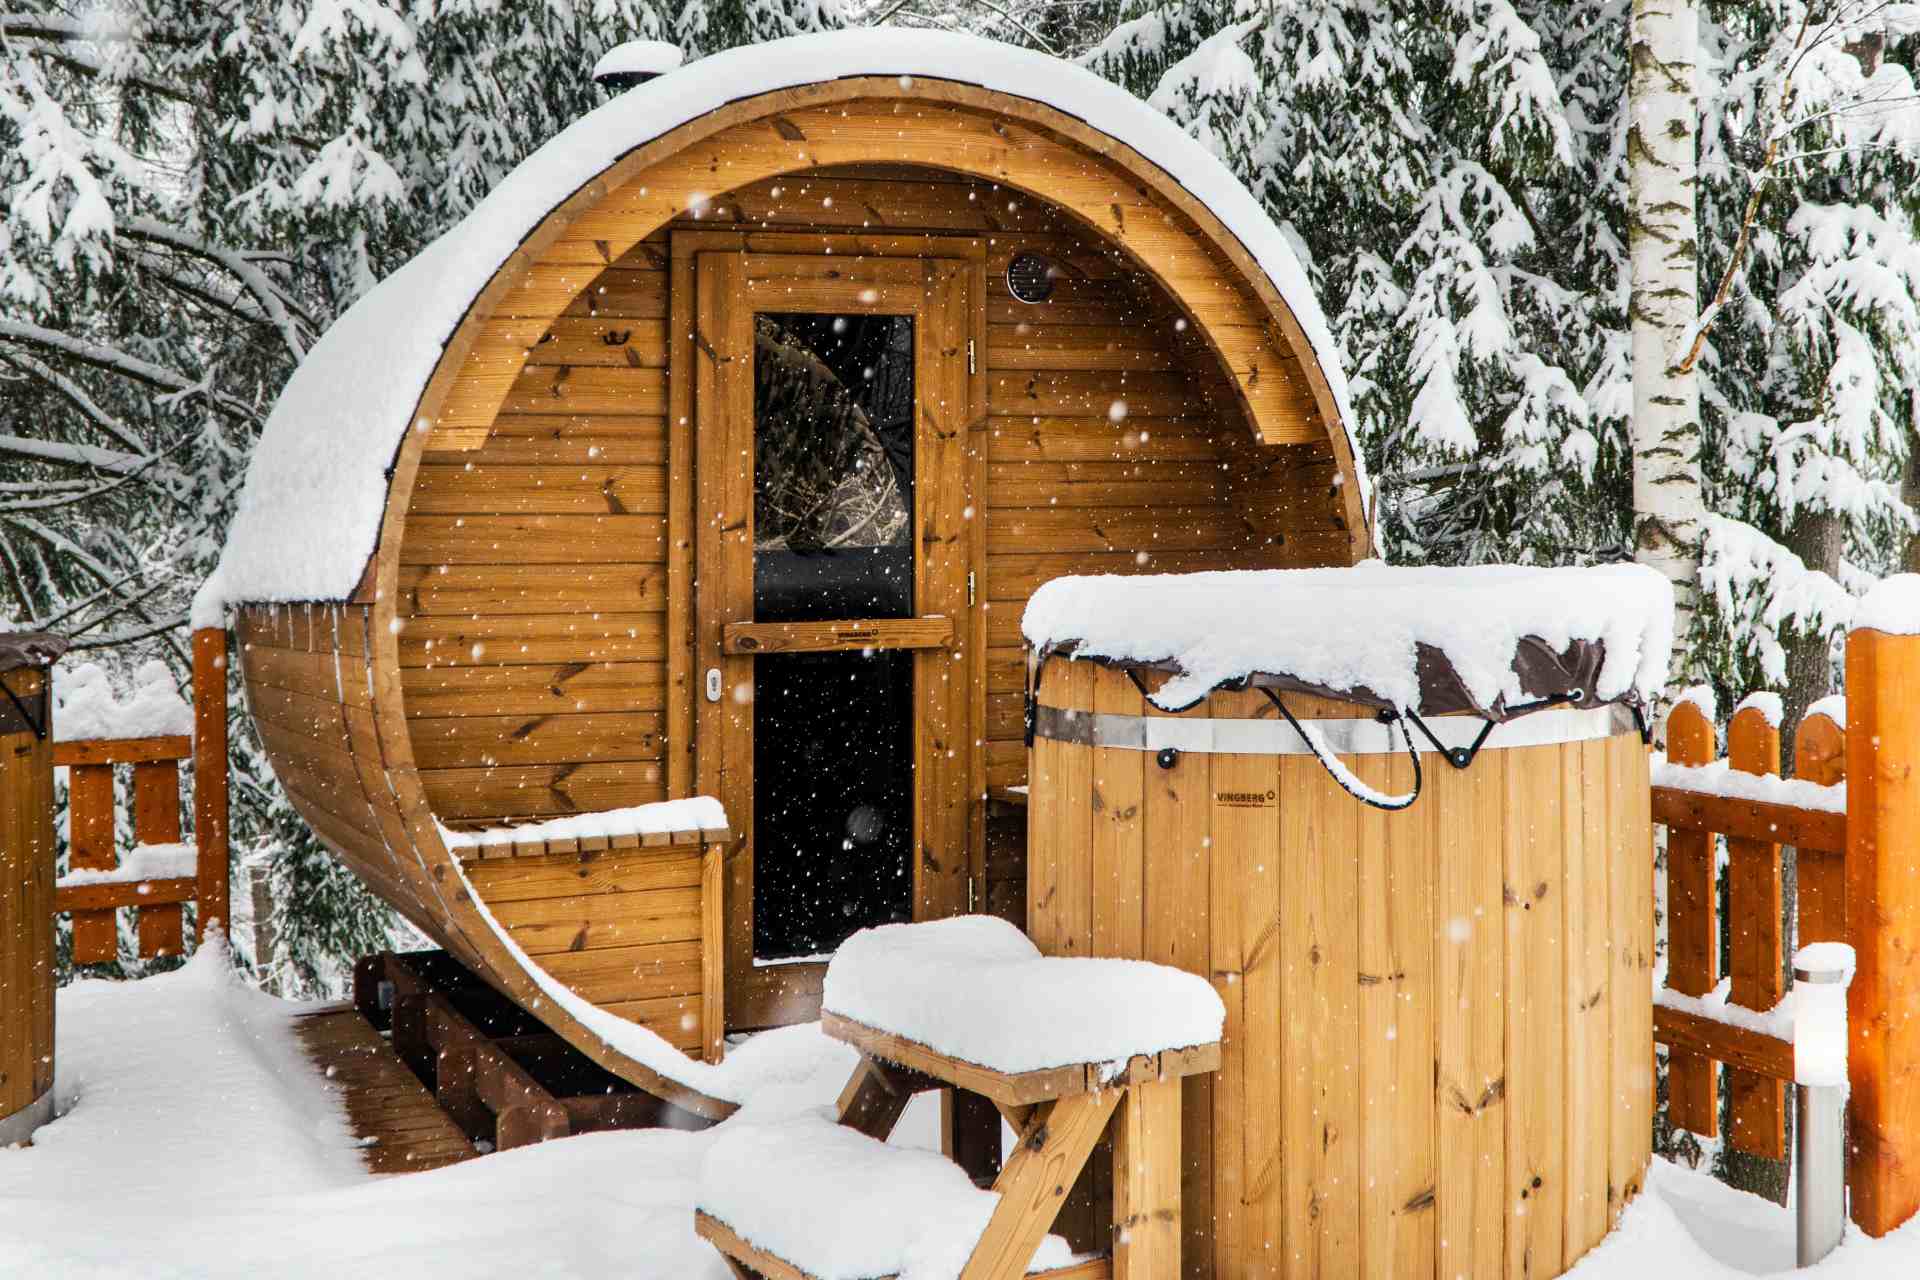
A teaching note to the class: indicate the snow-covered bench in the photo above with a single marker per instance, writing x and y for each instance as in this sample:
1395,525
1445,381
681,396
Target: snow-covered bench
1063,1047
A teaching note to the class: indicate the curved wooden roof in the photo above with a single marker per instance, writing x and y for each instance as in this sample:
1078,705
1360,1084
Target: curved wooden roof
437,345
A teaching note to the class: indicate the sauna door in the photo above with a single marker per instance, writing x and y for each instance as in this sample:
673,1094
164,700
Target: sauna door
832,399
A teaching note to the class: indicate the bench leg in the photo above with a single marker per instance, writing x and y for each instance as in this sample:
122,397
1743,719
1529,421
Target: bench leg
1146,1182
875,1096
970,1134
1035,1181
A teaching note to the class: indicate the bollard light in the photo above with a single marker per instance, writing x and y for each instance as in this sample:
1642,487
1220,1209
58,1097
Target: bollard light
1821,973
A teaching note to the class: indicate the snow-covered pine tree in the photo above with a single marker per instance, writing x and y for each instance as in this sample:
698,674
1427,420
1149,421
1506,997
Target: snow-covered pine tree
194,188
1809,210
708,26
1436,165
1456,177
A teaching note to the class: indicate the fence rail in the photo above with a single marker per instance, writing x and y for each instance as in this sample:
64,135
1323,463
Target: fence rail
1707,805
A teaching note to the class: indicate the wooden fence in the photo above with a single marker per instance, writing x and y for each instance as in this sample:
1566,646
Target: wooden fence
155,793
1858,869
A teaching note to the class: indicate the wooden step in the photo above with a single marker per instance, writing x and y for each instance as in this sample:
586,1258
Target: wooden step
403,1128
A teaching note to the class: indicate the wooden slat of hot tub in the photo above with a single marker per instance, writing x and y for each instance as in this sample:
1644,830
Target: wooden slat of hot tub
1398,872
1470,1032
1630,909
1587,924
1536,1013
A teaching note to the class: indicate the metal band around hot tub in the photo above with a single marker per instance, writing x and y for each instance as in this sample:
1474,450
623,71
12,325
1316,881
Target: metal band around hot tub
1345,737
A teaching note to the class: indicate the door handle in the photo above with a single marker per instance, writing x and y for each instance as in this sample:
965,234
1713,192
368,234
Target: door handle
713,684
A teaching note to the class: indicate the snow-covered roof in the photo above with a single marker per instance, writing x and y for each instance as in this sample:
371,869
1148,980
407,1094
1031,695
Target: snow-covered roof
316,486
1486,639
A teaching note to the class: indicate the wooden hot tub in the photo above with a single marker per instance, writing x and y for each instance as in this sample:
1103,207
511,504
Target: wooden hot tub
1439,1045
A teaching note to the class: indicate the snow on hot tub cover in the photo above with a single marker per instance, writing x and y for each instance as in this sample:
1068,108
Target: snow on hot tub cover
1484,640
316,486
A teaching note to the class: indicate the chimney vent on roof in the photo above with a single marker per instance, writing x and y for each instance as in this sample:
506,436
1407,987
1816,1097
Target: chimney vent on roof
635,62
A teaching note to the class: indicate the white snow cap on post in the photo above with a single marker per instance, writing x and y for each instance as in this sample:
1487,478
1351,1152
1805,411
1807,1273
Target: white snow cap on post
1892,607
1822,971
316,488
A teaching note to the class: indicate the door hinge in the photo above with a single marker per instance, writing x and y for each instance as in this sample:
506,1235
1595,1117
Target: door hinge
969,589
970,366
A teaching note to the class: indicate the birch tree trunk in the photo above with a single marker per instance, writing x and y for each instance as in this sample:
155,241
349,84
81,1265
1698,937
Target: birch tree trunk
1662,140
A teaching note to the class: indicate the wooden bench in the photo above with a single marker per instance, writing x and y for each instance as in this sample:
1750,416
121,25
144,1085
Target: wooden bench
1059,1113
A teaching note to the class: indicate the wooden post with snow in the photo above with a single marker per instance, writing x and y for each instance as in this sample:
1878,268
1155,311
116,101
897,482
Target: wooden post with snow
1693,1095
1883,904
210,774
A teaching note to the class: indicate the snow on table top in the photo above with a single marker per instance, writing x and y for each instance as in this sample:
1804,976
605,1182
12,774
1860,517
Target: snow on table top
841,1206
317,482
663,817
977,989
1360,628
87,706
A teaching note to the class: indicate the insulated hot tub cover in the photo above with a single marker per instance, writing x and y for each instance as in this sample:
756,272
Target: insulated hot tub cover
1494,640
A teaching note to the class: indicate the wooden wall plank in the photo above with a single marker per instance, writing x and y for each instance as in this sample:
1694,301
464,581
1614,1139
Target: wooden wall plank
504,880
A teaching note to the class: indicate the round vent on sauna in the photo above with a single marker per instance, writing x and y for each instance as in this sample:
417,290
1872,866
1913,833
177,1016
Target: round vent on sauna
1030,277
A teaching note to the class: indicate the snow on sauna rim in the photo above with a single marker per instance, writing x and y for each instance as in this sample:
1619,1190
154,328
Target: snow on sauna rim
316,487
1486,639
977,989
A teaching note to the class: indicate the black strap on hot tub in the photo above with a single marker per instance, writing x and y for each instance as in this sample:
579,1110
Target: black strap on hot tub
1391,805
1461,757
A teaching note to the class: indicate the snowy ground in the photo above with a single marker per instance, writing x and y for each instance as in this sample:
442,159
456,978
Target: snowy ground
195,1141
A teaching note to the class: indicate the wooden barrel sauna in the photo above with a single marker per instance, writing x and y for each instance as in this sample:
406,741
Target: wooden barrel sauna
495,560
1439,1027
26,884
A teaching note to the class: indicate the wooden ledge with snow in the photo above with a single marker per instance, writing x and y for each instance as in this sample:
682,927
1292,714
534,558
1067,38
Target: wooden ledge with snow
1063,1047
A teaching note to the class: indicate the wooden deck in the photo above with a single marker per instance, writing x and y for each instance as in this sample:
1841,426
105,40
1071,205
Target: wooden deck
409,1132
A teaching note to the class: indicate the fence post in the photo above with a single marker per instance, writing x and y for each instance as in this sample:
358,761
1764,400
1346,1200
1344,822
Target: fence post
1693,962
1820,756
1759,1105
210,773
1883,905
